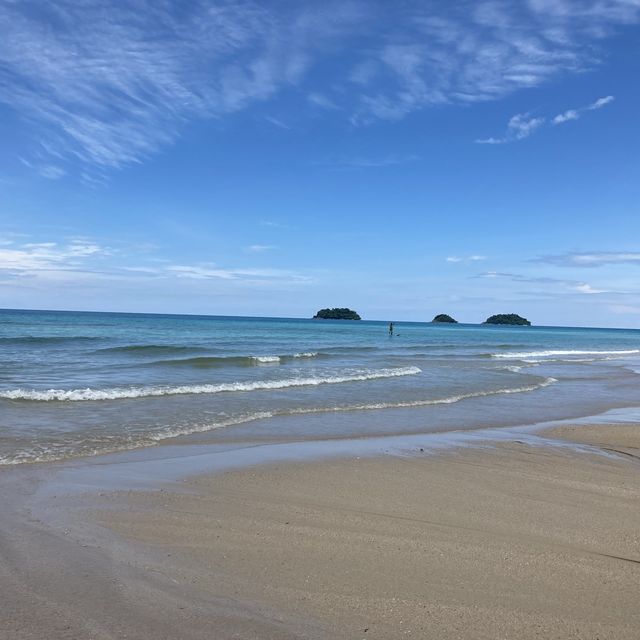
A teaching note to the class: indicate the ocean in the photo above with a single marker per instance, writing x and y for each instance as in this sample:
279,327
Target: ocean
77,384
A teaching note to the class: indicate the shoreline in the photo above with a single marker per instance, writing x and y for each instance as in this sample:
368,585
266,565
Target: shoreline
328,545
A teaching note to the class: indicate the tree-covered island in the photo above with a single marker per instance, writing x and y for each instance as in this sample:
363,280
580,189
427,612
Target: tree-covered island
507,318
337,314
443,317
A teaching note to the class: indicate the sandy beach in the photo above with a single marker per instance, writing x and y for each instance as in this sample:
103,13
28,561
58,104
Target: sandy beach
507,541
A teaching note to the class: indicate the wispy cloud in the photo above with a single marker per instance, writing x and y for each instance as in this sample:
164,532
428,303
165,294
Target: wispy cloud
592,259
27,259
522,125
370,162
82,258
625,309
565,285
259,248
519,127
601,102
50,171
274,224
473,258
321,100
483,50
574,114
583,287
212,272
109,83
104,83
276,122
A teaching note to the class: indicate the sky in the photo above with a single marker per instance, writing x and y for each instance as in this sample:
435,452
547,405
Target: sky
272,158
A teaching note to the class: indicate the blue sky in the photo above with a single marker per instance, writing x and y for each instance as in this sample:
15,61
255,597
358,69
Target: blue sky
403,159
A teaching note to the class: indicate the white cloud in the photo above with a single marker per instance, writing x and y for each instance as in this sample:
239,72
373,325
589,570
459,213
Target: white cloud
494,274
259,248
277,123
321,100
474,258
550,287
484,50
519,127
50,171
105,83
212,272
30,258
624,309
273,224
587,288
371,162
82,260
109,83
594,259
574,114
522,125
601,102
570,114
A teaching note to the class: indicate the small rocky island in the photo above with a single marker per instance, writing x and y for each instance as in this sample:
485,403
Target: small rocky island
443,317
337,314
507,318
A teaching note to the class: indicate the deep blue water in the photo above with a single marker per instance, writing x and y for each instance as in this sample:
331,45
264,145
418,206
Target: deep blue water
84,383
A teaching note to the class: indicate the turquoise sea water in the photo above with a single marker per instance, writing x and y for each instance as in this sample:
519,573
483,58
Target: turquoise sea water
84,383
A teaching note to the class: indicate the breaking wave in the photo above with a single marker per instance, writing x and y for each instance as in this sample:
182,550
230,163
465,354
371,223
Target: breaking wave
204,362
121,442
424,403
552,353
118,393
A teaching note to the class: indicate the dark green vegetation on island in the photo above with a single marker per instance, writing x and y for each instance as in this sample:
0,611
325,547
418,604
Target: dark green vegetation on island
507,318
337,314
443,317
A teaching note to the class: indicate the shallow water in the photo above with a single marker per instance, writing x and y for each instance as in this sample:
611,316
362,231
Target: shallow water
83,383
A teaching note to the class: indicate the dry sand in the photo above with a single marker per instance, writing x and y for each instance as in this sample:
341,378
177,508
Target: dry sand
511,541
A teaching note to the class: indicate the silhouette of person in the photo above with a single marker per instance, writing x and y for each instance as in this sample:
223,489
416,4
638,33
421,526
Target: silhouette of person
391,328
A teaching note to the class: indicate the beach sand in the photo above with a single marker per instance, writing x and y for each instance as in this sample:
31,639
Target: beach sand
507,541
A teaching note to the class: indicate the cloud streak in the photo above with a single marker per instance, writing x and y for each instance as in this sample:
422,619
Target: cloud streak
110,83
104,84
519,127
371,162
31,258
593,259
84,259
456,259
522,125
575,286
575,114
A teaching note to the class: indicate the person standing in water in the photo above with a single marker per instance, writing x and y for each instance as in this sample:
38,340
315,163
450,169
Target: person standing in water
391,328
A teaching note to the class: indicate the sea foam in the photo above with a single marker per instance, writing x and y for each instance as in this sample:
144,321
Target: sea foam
435,401
551,353
118,393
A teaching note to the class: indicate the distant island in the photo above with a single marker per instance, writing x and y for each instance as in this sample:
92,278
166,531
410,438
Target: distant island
443,317
507,318
337,314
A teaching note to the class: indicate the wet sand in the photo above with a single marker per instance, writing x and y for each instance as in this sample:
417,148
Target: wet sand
507,541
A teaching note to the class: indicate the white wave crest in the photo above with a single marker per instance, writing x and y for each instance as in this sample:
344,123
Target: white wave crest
512,368
306,354
118,393
266,359
113,444
91,448
424,403
550,354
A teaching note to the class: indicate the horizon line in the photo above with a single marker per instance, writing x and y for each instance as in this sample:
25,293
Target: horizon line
209,315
